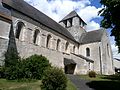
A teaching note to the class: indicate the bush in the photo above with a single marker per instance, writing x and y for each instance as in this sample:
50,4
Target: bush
2,72
32,67
14,72
54,79
35,65
92,74
11,57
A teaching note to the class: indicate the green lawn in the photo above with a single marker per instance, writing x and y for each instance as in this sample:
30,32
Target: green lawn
70,86
98,78
103,82
34,85
14,85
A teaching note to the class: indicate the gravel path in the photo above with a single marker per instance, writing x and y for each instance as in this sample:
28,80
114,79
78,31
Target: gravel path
79,82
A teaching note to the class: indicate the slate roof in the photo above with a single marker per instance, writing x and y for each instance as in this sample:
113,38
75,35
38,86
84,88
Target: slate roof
70,15
4,11
38,16
92,36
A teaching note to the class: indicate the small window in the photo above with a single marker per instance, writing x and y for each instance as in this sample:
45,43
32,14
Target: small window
80,22
36,37
69,22
108,50
73,49
87,52
58,45
65,22
48,41
66,46
19,28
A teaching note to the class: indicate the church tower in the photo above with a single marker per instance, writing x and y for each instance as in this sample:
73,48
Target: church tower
74,24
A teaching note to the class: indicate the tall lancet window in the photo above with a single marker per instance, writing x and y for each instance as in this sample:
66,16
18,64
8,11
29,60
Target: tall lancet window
108,50
73,49
36,37
19,30
87,52
66,47
58,45
48,43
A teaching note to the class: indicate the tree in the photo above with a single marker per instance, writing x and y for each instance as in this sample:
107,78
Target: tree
111,18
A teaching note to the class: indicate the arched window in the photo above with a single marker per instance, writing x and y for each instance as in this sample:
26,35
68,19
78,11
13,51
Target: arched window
87,52
73,49
48,41
66,46
20,27
58,45
36,37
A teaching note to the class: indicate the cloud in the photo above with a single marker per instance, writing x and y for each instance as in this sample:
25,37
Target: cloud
88,13
92,26
57,9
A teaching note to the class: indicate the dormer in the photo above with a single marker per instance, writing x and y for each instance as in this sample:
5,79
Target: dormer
72,19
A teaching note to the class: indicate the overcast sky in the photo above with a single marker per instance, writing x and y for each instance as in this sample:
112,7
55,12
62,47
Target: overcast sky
86,9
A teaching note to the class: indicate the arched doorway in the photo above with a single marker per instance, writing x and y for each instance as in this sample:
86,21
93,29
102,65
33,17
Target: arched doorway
69,66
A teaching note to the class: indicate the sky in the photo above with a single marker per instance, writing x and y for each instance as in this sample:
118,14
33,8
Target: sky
86,9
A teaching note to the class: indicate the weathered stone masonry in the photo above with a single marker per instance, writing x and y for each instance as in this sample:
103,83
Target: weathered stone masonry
67,45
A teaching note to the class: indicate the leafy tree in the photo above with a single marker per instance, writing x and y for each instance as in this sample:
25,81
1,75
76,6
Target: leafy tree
111,18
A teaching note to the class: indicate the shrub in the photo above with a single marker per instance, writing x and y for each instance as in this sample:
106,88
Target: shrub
92,74
32,67
2,72
54,79
35,65
11,57
14,72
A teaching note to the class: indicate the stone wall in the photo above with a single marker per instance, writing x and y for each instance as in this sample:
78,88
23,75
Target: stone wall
75,29
4,39
106,55
101,53
94,54
26,47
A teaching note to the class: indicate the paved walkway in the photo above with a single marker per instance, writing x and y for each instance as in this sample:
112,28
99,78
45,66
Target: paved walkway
79,82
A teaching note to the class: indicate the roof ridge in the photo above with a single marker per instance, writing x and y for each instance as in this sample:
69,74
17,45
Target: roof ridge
70,14
38,16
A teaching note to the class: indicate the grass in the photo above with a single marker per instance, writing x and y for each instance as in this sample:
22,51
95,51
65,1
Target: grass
97,78
70,86
33,85
14,85
102,82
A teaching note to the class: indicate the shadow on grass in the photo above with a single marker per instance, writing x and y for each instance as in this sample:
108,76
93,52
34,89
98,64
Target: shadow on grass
104,85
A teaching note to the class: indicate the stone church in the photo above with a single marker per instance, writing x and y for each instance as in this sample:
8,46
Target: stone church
66,44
